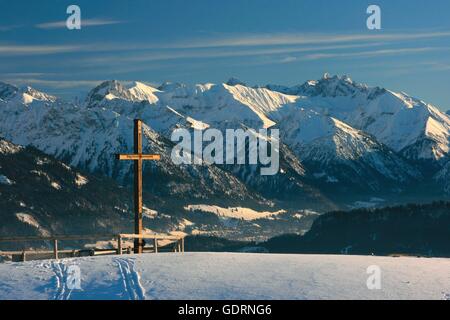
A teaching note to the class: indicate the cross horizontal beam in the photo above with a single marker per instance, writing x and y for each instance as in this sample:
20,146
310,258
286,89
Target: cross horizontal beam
138,157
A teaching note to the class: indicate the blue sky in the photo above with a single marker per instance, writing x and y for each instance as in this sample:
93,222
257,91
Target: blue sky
258,41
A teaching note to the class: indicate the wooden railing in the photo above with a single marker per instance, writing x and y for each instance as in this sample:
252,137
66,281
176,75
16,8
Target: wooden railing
178,240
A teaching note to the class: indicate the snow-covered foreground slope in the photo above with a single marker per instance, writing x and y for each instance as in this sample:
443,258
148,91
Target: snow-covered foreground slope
227,276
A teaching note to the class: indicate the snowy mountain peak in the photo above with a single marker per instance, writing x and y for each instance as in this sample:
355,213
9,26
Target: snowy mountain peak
259,101
141,86
25,95
328,86
332,86
30,94
344,77
142,92
113,89
326,76
235,81
106,90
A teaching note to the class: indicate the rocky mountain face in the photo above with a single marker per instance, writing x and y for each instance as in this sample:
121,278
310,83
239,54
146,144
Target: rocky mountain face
339,155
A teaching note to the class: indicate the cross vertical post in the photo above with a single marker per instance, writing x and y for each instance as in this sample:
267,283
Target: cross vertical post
138,243
137,158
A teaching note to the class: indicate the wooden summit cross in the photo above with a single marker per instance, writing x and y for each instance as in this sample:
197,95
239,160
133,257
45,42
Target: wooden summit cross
137,157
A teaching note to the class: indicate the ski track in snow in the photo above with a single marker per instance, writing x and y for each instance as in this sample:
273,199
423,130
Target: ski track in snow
59,268
130,279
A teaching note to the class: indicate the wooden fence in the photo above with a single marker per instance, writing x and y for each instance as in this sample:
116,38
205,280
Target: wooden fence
178,246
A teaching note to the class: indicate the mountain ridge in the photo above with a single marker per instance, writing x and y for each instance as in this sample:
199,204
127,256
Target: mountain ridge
373,135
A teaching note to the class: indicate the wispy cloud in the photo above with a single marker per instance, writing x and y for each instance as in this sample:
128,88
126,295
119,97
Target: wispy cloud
217,53
45,49
438,66
84,23
239,45
303,39
59,84
288,59
38,49
368,54
24,74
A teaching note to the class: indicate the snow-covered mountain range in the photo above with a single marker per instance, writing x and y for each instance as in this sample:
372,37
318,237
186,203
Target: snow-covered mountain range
341,141
409,126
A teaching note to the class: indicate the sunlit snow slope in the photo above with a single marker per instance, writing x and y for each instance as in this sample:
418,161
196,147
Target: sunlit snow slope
227,276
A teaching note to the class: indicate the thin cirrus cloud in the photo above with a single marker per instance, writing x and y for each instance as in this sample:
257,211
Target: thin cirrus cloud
315,53
211,53
438,66
21,49
320,55
38,49
84,23
218,43
60,84
365,54
302,39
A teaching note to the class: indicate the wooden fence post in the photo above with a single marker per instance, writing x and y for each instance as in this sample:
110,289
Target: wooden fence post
24,256
119,244
182,244
155,244
55,249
